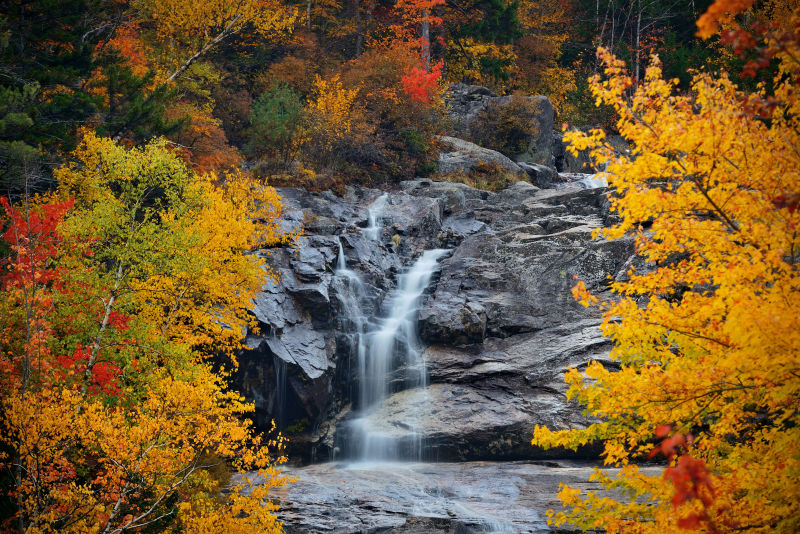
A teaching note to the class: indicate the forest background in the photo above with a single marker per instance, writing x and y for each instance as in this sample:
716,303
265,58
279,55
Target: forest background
350,89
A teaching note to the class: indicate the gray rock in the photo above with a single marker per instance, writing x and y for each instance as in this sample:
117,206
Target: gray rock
541,175
465,156
408,215
314,298
499,318
427,498
461,422
307,348
539,149
453,321
466,102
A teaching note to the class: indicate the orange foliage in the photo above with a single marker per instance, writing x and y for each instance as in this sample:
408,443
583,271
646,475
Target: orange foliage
204,145
719,15
297,72
128,43
422,85
416,11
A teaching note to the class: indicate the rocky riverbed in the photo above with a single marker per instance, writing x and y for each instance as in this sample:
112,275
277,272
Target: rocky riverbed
465,497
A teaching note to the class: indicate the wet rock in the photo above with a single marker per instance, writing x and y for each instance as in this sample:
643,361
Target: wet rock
307,348
408,215
498,314
485,400
453,321
426,498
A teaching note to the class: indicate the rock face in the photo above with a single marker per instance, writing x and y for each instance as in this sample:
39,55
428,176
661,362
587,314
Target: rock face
498,318
466,102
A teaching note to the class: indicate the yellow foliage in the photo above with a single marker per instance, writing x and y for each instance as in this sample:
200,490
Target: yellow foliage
335,123
708,337
189,21
198,283
364,120
464,61
111,419
331,108
145,455
546,24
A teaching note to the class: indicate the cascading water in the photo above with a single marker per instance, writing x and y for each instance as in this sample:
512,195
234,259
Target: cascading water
392,347
280,391
375,212
385,349
354,321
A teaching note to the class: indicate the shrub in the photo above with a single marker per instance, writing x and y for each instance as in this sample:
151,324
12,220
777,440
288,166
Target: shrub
295,71
274,118
485,176
335,127
507,127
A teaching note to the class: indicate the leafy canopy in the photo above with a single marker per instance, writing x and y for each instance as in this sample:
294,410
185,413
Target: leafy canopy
116,289
707,337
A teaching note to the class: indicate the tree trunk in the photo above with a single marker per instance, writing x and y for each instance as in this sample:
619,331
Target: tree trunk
426,40
359,29
228,30
109,307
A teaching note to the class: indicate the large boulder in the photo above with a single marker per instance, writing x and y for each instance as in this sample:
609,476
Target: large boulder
463,156
519,126
543,176
464,102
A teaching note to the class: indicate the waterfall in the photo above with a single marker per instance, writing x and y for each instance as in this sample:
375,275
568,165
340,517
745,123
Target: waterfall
375,211
396,334
392,348
280,390
352,295
387,349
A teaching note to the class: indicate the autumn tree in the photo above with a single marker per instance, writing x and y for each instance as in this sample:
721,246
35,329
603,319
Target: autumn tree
59,73
706,335
480,40
117,288
199,27
546,25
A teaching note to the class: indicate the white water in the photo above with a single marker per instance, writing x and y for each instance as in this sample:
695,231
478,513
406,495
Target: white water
594,181
583,180
375,211
385,349
393,347
351,299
